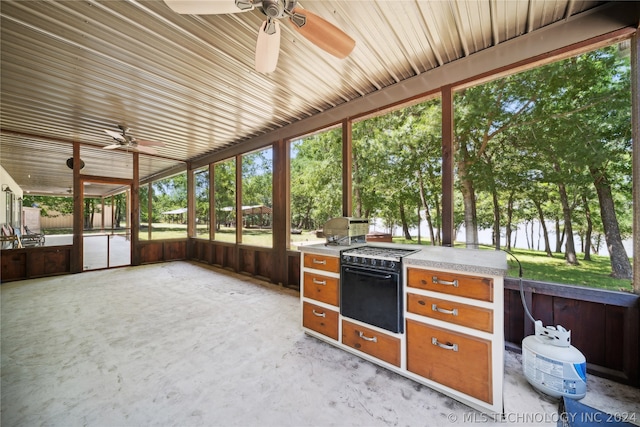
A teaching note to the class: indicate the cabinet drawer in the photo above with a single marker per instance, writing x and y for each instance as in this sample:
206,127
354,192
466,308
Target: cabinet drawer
322,262
320,320
377,344
456,360
321,288
480,288
453,312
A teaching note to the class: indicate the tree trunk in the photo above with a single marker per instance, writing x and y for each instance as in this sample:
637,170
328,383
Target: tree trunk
570,249
405,226
545,233
427,211
469,199
620,264
496,219
508,229
587,234
559,236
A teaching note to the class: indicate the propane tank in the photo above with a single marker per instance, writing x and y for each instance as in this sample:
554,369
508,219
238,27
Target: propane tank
552,365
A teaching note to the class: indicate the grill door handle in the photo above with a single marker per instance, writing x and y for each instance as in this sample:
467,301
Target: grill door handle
364,273
437,281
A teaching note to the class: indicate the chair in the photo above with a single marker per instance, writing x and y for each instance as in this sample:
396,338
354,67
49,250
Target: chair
28,240
37,237
9,239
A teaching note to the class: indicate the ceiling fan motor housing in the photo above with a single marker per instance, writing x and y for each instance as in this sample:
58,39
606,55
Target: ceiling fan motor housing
275,9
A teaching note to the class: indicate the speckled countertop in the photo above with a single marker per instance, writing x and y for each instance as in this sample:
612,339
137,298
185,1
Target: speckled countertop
478,261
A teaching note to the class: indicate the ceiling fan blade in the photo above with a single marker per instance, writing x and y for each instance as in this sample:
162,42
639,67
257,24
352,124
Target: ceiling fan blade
207,7
144,149
322,33
268,47
112,146
149,143
115,135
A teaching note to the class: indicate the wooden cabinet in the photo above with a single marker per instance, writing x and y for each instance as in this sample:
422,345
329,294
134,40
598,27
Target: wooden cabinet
322,262
320,319
321,287
378,344
459,361
453,312
320,295
453,318
480,288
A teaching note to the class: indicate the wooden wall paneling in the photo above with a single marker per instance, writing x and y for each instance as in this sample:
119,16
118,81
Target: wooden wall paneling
514,317
57,261
151,252
614,339
631,352
586,320
294,270
219,253
542,308
35,261
231,258
175,250
14,265
247,261
267,264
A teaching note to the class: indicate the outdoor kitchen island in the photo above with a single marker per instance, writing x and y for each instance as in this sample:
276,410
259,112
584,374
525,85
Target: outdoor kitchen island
430,313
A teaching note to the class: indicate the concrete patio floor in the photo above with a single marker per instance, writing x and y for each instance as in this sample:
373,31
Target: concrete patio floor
187,344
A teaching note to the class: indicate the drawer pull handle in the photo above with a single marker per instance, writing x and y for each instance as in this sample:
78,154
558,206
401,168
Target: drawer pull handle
319,282
319,314
361,335
319,261
437,281
453,347
434,307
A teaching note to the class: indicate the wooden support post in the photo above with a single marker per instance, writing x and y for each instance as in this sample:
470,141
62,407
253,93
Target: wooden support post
448,236
347,168
281,211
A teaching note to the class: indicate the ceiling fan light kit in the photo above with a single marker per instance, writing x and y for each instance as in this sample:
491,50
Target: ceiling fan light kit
317,30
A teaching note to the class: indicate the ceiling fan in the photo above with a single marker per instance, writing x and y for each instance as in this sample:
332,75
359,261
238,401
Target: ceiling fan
126,140
314,28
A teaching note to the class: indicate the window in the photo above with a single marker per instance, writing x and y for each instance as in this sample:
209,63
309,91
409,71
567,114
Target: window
397,172
169,207
316,185
225,200
544,168
202,217
257,195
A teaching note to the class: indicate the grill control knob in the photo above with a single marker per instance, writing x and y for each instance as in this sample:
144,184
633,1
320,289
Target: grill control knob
391,264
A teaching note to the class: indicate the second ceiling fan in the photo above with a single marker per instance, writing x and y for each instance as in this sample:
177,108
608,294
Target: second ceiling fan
317,30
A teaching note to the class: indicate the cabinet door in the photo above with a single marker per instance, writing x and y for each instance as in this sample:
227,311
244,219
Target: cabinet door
453,312
322,262
459,361
321,288
480,288
377,344
320,320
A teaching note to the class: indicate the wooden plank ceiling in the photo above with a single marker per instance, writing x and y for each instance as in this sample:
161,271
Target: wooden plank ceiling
71,69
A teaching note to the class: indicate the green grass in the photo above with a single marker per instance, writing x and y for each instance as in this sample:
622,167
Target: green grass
536,265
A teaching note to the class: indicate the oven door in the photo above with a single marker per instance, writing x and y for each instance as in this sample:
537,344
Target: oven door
372,296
